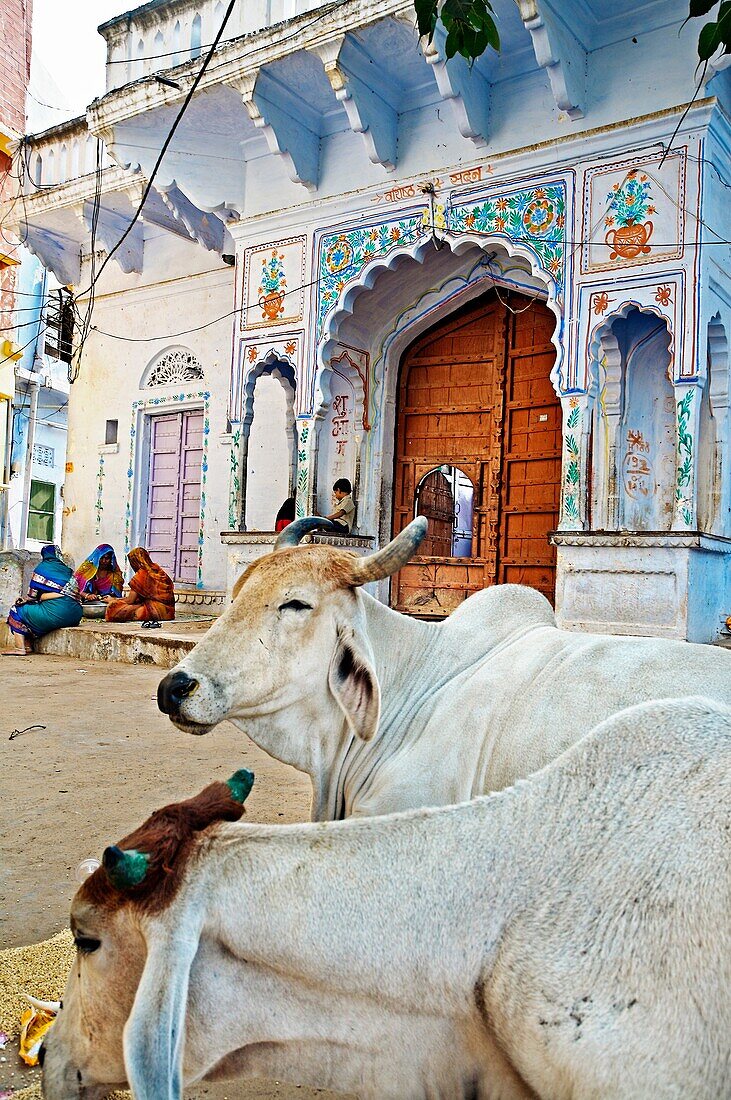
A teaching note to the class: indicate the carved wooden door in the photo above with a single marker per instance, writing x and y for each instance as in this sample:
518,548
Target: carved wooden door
475,394
436,502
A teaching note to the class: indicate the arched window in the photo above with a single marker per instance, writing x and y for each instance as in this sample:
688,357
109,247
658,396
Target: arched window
269,443
38,170
176,43
445,496
195,36
634,432
89,164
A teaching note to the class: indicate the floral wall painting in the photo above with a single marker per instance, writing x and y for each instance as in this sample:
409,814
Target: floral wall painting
633,213
630,202
531,218
274,278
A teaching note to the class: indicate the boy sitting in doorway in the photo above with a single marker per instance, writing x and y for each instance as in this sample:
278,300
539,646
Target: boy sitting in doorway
344,515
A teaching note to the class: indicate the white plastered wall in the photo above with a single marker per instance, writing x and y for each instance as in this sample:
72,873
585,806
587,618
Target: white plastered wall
100,503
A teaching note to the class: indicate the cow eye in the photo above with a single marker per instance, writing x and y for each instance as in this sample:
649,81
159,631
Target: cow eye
295,605
86,944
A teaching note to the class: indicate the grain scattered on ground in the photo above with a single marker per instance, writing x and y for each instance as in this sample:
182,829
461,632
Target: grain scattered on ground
40,969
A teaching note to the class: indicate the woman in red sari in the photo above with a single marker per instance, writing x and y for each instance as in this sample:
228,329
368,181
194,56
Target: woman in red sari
150,597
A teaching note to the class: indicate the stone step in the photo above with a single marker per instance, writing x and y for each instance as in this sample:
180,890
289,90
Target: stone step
126,643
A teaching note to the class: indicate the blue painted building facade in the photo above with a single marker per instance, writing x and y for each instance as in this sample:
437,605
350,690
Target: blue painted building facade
366,190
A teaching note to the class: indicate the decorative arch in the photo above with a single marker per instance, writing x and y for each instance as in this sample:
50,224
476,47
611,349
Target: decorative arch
431,305
603,327
176,40
260,489
419,250
172,367
195,36
633,420
714,488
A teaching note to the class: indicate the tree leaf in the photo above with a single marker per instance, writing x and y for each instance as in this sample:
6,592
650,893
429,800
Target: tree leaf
426,17
470,28
700,7
708,41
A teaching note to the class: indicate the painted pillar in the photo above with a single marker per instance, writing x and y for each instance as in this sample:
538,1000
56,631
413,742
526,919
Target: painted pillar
235,479
687,409
575,486
306,487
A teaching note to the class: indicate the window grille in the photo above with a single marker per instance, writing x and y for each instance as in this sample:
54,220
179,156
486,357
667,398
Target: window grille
44,456
174,367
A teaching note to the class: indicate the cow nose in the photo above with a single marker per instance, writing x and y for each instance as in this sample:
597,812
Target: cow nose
173,689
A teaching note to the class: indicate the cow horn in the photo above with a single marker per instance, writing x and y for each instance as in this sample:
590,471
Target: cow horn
294,532
125,868
240,784
393,557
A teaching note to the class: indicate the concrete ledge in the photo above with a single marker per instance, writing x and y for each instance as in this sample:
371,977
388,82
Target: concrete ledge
126,643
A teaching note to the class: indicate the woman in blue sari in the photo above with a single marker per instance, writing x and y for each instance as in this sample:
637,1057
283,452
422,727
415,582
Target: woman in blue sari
53,601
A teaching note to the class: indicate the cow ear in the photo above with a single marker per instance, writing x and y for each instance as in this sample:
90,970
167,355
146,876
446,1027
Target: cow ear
354,684
155,1031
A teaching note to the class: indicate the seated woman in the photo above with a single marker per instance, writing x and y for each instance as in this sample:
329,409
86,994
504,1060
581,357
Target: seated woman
150,597
99,577
53,601
285,515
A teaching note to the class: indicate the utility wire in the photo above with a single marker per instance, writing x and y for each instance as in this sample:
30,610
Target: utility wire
95,275
166,143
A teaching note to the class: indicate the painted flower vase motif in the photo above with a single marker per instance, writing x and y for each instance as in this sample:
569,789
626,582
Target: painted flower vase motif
272,304
629,241
272,287
630,229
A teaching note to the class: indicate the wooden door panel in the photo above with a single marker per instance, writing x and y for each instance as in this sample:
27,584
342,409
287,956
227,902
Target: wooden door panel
531,473
176,454
476,394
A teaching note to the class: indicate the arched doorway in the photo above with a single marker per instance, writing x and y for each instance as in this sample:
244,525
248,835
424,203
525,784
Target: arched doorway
477,416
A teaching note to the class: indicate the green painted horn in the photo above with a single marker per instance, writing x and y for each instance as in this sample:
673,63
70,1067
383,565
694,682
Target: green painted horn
240,784
125,869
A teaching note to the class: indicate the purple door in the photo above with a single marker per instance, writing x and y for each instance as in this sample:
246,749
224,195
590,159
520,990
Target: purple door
174,496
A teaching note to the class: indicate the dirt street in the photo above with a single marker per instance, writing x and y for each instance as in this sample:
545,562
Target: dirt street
104,761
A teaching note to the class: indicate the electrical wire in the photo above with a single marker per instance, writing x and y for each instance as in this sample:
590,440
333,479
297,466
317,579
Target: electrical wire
232,313
51,106
95,275
166,142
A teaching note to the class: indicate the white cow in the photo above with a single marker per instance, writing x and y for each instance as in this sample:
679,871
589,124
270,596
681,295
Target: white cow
568,938
386,712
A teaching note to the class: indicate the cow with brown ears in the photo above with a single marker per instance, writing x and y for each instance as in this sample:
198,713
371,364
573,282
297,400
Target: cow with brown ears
385,712
565,939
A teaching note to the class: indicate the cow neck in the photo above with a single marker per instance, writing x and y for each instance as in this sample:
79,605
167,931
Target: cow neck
401,647
332,879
